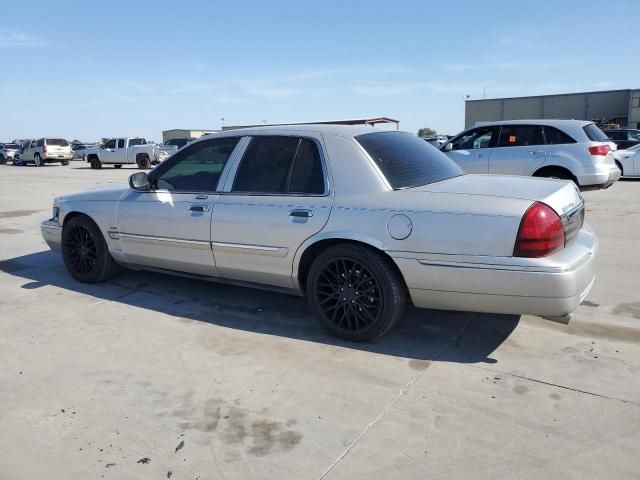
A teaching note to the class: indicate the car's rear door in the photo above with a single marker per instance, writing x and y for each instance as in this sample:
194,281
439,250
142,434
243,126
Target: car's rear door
520,150
275,198
169,227
472,150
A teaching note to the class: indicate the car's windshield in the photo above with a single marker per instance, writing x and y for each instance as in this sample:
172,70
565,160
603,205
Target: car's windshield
406,160
137,141
59,142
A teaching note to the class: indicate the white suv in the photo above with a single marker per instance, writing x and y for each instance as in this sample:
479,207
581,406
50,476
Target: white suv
570,149
45,150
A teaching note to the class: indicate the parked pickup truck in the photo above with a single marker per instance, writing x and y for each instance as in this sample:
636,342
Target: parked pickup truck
126,151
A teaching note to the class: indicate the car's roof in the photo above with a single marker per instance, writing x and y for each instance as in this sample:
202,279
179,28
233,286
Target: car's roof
344,130
539,121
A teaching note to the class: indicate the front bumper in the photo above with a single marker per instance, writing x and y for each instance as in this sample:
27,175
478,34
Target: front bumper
603,177
52,234
553,286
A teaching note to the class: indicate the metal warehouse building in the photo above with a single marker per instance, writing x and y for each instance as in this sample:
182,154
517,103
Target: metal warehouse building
185,133
620,107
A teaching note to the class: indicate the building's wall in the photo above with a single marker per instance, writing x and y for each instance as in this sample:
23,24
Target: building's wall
180,133
580,106
634,109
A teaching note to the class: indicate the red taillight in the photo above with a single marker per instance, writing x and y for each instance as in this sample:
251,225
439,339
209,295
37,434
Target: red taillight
44,149
541,232
599,150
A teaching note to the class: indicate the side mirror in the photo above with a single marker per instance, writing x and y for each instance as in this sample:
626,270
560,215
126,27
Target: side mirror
448,147
140,182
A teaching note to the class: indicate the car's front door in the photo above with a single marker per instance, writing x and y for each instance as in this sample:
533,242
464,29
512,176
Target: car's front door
275,198
27,156
472,150
169,227
108,151
520,150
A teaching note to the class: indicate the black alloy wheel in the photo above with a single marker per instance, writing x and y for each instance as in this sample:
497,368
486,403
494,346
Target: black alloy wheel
85,252
355,292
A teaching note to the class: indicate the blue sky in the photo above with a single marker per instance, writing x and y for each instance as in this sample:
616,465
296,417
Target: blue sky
95,69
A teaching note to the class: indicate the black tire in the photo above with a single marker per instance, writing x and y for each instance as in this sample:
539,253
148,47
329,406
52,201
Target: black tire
143,162
37,160
65,162
85,252
619,165
2,160
356,315
117,166
95,163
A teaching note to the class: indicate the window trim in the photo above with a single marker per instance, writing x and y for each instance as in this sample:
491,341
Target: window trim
239,148
228,187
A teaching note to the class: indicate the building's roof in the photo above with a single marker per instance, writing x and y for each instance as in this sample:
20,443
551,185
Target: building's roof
192,130
549,95
353,121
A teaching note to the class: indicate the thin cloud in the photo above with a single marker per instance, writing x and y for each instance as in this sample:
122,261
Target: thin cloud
139,87
21,40
527,66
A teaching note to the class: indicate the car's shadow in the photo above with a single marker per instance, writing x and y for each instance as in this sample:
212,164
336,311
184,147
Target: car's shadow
421,334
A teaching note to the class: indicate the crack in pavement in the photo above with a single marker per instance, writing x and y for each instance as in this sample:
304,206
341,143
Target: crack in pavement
551,384
405,388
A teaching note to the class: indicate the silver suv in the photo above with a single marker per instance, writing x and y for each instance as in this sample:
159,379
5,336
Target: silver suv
45,150
570,149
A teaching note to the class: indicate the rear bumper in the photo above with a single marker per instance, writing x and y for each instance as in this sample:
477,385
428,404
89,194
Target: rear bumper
52,234
552,286
603,177
58,158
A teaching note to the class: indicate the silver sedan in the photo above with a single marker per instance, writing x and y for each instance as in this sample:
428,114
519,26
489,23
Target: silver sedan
359,220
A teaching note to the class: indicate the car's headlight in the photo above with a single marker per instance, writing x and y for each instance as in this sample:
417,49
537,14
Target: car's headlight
55,216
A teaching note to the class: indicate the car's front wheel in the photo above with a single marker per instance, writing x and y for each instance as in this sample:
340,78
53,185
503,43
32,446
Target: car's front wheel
85,251
95,163
355,292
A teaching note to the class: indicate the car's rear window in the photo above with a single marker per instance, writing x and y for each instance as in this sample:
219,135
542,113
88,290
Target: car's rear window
406,160
594,133
11,146
60,142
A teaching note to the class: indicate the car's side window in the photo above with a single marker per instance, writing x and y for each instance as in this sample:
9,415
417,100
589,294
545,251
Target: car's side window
196,168
475,139
553,136
110,144
520,136
40,143
121,143
279,164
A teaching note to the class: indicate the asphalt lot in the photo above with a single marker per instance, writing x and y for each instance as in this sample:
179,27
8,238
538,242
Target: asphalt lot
213,382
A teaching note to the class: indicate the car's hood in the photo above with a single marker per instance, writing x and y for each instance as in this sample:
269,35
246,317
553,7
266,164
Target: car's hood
105,193
561,195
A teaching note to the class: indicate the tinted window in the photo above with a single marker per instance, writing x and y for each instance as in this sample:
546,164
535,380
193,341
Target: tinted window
594,133
110,144
178,142
634,136
60,142
40,143
306,173
121,143
553,136
406,160
11,146
265,165
197,168
520,136
137,141
474,139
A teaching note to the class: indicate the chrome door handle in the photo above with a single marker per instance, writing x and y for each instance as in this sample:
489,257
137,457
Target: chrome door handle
199,208
301,213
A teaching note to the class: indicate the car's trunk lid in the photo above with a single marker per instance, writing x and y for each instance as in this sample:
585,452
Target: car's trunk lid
561,195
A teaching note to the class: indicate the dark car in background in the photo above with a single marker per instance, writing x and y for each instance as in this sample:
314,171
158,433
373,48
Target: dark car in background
624,138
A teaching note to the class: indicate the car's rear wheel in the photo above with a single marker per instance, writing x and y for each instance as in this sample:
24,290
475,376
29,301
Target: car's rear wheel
143,162
85,252
38,160
117,166
355,292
